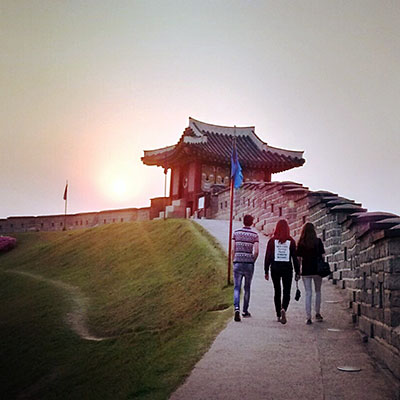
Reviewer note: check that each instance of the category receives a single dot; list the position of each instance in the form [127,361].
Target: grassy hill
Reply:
[151,289]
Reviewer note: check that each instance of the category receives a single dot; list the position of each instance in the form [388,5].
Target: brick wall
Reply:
[363,249]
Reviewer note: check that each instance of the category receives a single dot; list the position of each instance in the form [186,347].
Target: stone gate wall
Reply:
[363,249]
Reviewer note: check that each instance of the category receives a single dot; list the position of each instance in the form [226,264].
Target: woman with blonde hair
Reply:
[281,257]
[311,249]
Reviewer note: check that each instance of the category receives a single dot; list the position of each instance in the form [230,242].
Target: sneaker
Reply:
[246,314]
[309,322]
[318,317]
[283,316]
[279,319]
[237,316]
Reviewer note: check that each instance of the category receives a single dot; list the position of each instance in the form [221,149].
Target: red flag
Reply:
[65,192]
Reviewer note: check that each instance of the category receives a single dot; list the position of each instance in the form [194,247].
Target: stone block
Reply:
[396,338]
[386,355]
[393,298]
[378,329]
[392,316]
[394,246]
[351,283]
[392,282]
[364,325]
[393,265]
[387,333]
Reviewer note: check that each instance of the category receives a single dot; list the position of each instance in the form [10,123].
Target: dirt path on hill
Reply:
[76,318]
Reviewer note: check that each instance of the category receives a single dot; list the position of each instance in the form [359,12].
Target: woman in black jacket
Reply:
[281,256]
[311,249]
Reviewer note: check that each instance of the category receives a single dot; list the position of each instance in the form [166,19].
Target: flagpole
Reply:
[65,209]
[231,208]
[165,192]
[230,234]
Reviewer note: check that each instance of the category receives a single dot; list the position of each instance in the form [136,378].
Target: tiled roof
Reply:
[213,143]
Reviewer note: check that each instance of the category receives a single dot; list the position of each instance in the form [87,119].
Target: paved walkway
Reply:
[260,358]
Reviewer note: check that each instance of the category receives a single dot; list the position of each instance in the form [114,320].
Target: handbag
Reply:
[323,269]
[298,293]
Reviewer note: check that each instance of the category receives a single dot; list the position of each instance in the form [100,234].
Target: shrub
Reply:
[7,243]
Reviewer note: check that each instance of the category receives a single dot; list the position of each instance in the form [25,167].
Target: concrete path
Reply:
[260,358]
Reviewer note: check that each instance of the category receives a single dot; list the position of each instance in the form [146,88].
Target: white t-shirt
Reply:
[282,251]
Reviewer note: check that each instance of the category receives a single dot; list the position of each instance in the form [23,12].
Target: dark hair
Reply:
[308,236]
[248,220]
[282,231]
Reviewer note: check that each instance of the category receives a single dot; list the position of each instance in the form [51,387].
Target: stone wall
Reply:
[363,249]
[72,221]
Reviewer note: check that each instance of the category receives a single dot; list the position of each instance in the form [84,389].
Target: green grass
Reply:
[151,286]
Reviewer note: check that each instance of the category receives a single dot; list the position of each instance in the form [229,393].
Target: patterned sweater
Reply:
[244,239]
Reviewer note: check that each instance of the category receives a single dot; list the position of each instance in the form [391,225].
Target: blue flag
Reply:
[236,169]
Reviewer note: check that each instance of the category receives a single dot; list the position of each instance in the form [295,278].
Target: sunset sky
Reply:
[86,86]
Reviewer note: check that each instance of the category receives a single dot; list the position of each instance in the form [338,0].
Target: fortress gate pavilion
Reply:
[200,161]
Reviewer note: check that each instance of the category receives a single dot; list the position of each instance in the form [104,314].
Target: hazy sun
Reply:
[119,183]
[119,188]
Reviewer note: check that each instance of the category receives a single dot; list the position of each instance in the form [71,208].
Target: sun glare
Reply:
[119,188]
[120,184]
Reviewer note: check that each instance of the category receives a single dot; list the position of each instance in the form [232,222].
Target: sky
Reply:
[86,86]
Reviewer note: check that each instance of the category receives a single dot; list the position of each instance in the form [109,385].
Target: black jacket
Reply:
[282,265]
[310,256]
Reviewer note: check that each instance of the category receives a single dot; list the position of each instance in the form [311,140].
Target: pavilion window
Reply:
[254,203]
[76,222]
[226,204]
[324,235]
[272,207]
[22,225]
[265,204]
[87,222]
[52,224]
[105,221]
[280,211]
[248,202]
[61,224]
[222,205]
[304,219]
[122,220]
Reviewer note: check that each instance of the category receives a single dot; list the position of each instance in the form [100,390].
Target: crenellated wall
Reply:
[363,249]
[72,221]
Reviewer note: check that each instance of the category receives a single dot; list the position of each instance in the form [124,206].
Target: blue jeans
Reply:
[240,271]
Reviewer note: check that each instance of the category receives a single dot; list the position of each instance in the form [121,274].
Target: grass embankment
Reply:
[150,286]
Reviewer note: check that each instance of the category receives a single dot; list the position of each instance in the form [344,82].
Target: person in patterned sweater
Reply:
[245,247]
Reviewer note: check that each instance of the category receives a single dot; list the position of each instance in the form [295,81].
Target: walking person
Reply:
[281,256]
[245,247]
[310,248]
